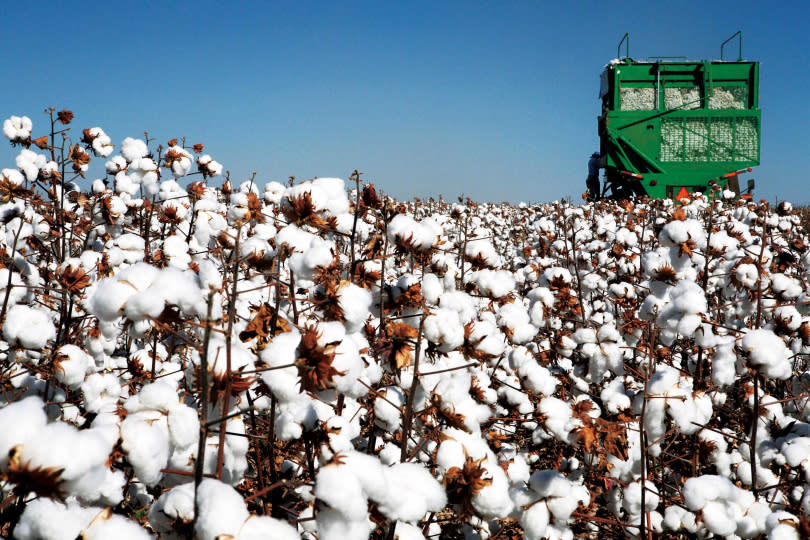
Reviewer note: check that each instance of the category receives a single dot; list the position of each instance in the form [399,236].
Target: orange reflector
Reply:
[746,196]
[682,194]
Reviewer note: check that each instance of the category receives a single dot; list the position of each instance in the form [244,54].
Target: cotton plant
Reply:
[366,366]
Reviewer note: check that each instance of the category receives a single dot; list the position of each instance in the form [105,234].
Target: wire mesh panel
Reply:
[685,98]
[728,97]
[637,99]
[709,139]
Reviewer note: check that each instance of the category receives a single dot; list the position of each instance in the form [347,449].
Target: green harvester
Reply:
[670,126]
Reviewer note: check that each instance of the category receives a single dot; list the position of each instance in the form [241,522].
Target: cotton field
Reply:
[185,355]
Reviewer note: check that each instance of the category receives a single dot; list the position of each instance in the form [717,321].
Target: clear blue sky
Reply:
[492,100]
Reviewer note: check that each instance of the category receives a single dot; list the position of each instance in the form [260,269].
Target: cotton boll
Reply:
[412,492]
[493,499]
[18,421]
[100,392]
[273,192]
[222,510]
[46,519]
[355,303]
[264,527]
[173,506]
[18,290]
[535,520]
[28,327]
[333,525]
[282,352]
[387,408]
[443,328]
[341,491]
[17,129]
[109,525]
[132,149]
[71,365]
[768,353]
[145,439]
[782,526]
[30,163]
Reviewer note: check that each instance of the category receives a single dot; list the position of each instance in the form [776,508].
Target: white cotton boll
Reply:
[175,505]
[281,351]
[209,167]
[341,490]
[145,305]
[46,519]
[100,392]
[408,233]
[537,378]
[145,439]
[487,338]
[101,144]
[18,421]
[17,128]
[493,283]
[333,525]
[405,531]
[768,353]
[30,163]
[158,396]
[719,518]
[274,192]
[615,397]
[222,510]
[483,250]
[746,275]
[782,525]
[493,500]
[336,203]
[114,526]
[557,420]
[432,288]
[451,453]
[387,408]
[460,302]
[18,290]
[183,426]
[265,527]
[179,161]
[785,286]
[115,165]
[12,176]
[132,149]
[535,520]
[71,365]
[28,327]
[443,328]
[412,492]
[355,302]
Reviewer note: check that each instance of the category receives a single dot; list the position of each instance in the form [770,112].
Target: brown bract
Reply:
[44,481]
[314,362]
[9,190]
[301,211]
[262,327]
[79,158]
[64,116]
[74,280]
[41,142]
[399,337]
[461,484]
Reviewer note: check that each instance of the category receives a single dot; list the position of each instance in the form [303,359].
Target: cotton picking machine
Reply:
[671,126]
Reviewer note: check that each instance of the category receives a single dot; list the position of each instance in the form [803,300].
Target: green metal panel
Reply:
[679,123]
